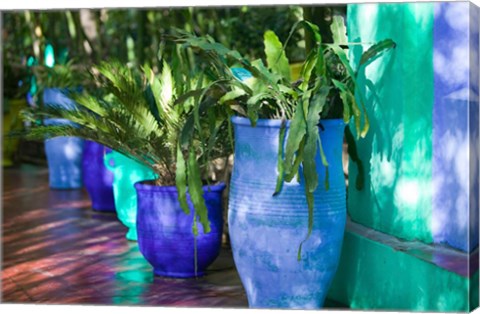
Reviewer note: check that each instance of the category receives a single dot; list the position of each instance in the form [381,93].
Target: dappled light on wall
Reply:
[454,45]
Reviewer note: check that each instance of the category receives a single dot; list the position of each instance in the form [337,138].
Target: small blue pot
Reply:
[165,235]
[266,230]
[64,154]
[64,157]
[98,180]
[58,97]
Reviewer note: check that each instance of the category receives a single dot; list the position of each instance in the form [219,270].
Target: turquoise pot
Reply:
[126,172]
[266,230]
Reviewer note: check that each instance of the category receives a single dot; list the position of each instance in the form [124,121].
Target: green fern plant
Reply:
[268,92]
[142,116]
[64,76]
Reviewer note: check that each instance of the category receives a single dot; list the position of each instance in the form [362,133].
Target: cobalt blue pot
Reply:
[64,153]
[266,230]
[97,179]
[165,235]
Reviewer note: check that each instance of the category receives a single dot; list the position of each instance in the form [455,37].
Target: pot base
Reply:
[103,209]
[162,273]
[65,188]
[132,235]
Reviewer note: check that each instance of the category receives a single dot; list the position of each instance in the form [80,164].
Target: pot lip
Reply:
[119,157]
[142,186]
[62,90]
[277,122]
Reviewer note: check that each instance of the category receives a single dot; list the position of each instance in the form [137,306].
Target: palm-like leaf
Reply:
[270,94]
[142,117]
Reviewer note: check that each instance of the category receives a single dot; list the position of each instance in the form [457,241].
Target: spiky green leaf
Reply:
[232,95]
[276,59]
[376,50]
[195,189]
[307,69]
[339,31]
[298,129]
[297,161]
[280,164]
[181,180]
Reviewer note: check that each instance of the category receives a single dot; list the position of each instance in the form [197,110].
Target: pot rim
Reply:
[276,123]
[142,186]
[122,159]
[63,90]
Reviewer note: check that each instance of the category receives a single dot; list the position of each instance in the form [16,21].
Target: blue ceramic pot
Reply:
[126,172]
[165,235]
[266,230]
[64,158]
[58,97]
[64,153]
[97,179]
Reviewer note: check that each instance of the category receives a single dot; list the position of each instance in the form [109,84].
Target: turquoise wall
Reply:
[421,154]
[397,151]
[421,159]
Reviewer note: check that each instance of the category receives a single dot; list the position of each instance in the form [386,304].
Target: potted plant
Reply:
[287,205]
[64,154]
[179,218]
[73,162]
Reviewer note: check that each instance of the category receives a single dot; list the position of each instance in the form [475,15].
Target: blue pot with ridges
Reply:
[266,230]
[165,235]
[98,180]
[64,153]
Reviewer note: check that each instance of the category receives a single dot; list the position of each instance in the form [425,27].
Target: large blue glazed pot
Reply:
[266,230]
[97,179]
[165,235]
[126,172]
[64,153]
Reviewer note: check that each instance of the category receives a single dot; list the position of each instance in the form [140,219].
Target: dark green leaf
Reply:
[297,162]
[307,68]
[310,152]
[232,95]
[181,180]
[298,129]
[324,163]
[280,164]
[375,50]
[195,189]
[309,197]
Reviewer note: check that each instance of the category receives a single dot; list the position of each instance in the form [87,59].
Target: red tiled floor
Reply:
[57,250]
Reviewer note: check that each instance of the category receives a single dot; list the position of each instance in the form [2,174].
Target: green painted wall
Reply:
[399,155]
[474,293]
[397,151]
[374,276]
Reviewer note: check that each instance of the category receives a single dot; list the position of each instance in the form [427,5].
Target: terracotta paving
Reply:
[57,250]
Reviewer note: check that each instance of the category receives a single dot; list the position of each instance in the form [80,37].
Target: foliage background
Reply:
[137,36]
